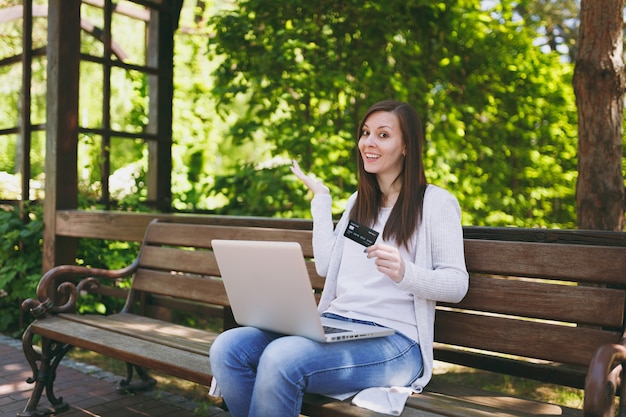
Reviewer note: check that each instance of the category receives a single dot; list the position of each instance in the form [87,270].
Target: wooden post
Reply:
[160,50]
[25,119]
[63,54]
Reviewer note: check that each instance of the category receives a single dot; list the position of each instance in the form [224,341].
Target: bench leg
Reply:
[146,383]
[49,358]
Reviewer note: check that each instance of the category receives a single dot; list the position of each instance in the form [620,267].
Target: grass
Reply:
[519,387]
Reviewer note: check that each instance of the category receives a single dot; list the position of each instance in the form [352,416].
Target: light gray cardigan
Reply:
[437,273]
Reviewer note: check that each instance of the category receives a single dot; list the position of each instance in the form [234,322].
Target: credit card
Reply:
[362,235]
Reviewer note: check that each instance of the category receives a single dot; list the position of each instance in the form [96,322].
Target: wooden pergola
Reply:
[63,222]
[64,26]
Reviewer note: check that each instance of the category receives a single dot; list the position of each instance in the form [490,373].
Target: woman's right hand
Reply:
[313,184]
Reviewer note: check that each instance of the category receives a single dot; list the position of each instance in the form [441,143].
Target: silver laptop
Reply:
[268,287]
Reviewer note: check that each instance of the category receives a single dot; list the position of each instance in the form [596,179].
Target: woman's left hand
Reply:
[388,260]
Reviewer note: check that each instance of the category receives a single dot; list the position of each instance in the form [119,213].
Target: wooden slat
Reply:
[152,330]
[198,262]
[323,406]
[496,405]
[593,264]
[593,306]
[541,235]
[531,339]
[189,366]
[194,235]
[201,262]
[317,282]
[188,287]
[442,397]
[115,225]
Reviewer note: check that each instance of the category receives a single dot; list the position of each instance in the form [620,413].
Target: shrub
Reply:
[20,263]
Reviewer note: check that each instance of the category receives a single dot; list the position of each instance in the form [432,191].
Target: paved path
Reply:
[89,391]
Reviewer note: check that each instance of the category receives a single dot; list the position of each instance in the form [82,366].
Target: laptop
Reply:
[268,287]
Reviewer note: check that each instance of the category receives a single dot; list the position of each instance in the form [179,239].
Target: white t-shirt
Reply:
[364,293]
[436,273]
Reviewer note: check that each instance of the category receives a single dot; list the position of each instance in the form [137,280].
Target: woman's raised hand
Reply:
[313,184]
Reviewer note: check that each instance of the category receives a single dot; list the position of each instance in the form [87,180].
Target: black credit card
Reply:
[362,235]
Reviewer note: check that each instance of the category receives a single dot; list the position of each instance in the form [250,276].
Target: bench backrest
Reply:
[551,303]
[546,302]
[176,260]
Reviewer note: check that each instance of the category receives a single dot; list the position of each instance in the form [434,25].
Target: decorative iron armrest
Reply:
[44,305]
[604,378]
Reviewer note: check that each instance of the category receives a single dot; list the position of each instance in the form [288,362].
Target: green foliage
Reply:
[105,254]
[500,113]
[20,263]
[259,81]
[504,126]
[268,191]
[10,87]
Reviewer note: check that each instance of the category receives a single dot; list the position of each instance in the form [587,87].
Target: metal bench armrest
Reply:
[64,277]
[603,380]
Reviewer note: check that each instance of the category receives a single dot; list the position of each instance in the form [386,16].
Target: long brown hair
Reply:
[406,214]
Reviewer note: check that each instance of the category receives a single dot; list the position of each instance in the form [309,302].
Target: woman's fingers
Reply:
[312,184]
[387,260]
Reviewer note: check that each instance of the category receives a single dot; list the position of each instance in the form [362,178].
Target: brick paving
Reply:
[89,391]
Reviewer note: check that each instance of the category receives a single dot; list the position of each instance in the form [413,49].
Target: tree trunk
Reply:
[599,88]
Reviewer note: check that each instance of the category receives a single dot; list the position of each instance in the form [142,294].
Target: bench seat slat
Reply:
[586,263]
[189,366]
[466,397]
[322,406]
[569,303]
[490,405]
[445,400]
[546,341]
[152,330]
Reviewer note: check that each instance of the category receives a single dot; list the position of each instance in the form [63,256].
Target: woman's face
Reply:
[382,147]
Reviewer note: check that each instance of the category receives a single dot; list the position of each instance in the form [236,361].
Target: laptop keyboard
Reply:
[329,329]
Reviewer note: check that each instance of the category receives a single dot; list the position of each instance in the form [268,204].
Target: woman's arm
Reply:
[448,279]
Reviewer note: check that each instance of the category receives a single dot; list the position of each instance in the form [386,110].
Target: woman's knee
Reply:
[222,343]
[287,356]
[234,343]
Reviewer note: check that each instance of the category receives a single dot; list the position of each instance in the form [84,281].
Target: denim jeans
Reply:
[262,373]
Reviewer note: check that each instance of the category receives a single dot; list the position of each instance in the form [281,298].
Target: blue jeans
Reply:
[262,373]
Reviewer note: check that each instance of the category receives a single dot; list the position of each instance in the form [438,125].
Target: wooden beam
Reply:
[61,188]
[25,138]
[125,226]
[123,9]
[160,52]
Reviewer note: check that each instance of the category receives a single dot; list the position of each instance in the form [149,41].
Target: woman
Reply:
[416,261]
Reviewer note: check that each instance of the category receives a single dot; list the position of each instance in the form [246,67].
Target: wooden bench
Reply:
[540,305]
